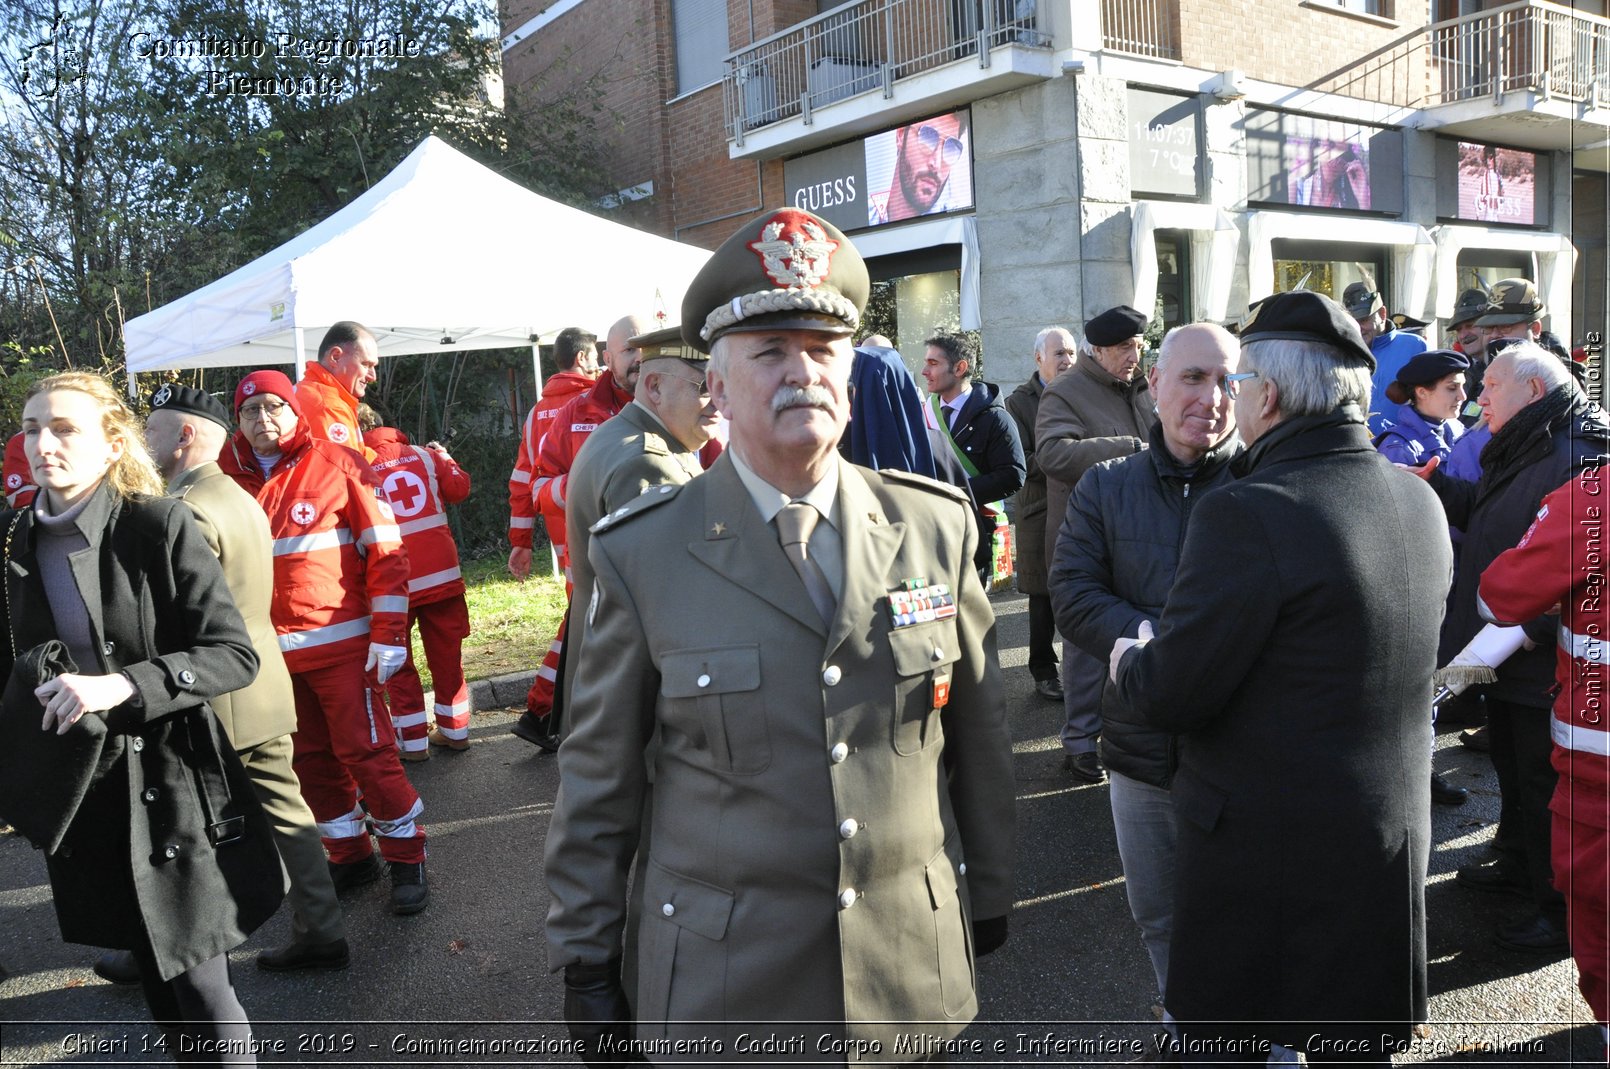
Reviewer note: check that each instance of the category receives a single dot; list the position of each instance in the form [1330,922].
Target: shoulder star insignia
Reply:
[719,529]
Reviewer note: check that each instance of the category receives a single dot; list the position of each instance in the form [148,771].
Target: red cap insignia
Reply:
[795,252]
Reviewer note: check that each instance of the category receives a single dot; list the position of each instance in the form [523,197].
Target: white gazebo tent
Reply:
[441,253]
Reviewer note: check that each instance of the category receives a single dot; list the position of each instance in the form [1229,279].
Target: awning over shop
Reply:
[1214,241]
[1556,260]
[1411,244]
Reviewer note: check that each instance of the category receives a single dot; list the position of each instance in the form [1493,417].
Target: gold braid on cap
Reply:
[765,302]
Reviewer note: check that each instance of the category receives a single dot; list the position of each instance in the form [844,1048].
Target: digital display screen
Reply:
[923,168]
[1310,162]
[1497,185]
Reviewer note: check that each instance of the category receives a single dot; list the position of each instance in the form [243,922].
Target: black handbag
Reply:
[43,776]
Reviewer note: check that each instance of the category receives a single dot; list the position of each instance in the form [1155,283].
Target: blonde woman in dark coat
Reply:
[168,855]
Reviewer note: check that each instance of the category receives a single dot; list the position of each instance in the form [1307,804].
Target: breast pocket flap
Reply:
[722,670]
[699,907]
[924,647]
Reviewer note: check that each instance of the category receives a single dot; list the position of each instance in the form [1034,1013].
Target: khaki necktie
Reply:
[794,526]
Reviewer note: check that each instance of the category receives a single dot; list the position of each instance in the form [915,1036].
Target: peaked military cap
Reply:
[1115,326]
[1513,300]
[1303,315]
[1361,301]
[663,344]
[174,397]
[1472,303]
[788,270]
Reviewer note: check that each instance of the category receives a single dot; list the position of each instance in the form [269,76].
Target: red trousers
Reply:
[443,627]
[344,752]
[1581,856]
[539,699]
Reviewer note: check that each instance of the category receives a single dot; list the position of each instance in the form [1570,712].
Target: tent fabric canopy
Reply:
[442,253]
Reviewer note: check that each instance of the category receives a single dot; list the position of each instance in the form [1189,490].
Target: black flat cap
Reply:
[172,397]
[1115,326]
[1306,316]
[1431,366]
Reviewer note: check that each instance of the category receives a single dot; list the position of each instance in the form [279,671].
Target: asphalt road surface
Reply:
[1072,987]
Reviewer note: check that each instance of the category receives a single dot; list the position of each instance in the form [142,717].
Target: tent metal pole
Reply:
[536,366]
[301,353]
[134,386]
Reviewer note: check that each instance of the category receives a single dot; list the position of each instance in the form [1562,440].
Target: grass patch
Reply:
[511,623]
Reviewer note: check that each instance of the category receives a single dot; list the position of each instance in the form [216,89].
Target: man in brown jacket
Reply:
[1098,411]
[1054,352]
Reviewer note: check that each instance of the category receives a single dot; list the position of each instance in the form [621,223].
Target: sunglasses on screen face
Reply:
[930,139]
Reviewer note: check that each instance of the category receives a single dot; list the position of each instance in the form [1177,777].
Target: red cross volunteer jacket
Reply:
[556,393]
[340,570]
[329,411]
[419,483]
[579,417]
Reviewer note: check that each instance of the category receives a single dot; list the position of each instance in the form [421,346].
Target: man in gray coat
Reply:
[1054,352]
[1100,410]
[801,649]
[186,429]
[1294,658]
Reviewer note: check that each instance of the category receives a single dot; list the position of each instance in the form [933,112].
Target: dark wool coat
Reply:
[1023,405]
[1116,557]
[1494,513]
[138,854]
[1295,656]
[986,434]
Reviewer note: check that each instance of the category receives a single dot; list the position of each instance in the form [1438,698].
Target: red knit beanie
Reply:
[273,382]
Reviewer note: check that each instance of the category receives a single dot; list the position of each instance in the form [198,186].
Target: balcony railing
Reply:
[866,47]
[1148,28]
[1532,45]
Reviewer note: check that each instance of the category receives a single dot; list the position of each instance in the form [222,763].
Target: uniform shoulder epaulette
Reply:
[654,445]
[922,482]
[650,497]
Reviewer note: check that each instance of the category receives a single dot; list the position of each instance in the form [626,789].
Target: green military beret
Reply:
[787,269]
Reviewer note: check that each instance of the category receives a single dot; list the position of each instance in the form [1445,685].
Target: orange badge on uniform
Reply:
[941,691]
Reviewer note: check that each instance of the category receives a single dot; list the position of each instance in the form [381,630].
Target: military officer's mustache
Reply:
[788,397]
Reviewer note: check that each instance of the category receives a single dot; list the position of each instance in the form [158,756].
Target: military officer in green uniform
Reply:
[652,442]
[801,649]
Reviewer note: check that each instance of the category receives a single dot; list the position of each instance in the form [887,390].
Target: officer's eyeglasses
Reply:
[931,139]
[700,384]
[1231,384]
[266,410]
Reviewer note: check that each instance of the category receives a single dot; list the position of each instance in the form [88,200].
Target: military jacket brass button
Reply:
[847,898]
[839,752]
[832,675]
[703,681]
[849,828]
[668,909]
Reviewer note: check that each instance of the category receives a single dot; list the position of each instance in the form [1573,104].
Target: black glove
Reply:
[596,1007]
[989,935]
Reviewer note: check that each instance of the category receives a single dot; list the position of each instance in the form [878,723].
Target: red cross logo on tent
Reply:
[303,513]
[406,492]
